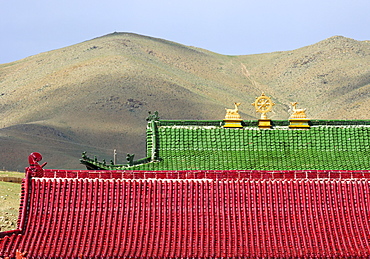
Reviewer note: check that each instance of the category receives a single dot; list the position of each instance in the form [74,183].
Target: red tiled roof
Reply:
[225,214]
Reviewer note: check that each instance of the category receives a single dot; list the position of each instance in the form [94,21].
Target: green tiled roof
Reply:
[327,145]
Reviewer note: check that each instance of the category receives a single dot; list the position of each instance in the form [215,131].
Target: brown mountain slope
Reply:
[95,96]
[330,78]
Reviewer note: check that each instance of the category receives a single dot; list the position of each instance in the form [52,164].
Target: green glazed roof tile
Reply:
[209,147]
[204,145]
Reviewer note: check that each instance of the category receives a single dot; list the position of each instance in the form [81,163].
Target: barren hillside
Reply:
[94,96]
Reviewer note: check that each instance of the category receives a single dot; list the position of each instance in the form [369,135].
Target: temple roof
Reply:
[174,215]
[206,145]
[207,191]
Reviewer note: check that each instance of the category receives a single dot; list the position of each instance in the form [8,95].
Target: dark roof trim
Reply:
[254,123]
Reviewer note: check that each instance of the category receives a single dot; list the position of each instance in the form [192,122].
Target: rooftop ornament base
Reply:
[264,123]
[299,123]
[230,123]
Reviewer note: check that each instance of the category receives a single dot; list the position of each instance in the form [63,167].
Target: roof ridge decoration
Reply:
[232,117]
[153,117]
[263,104]
[298,119]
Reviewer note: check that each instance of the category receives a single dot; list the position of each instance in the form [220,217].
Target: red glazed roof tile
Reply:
[229,217]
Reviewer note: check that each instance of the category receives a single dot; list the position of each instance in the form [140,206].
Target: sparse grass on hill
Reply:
[9,199]
[9,205]
[94,96]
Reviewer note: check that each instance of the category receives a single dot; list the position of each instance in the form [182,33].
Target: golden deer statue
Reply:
[297,113]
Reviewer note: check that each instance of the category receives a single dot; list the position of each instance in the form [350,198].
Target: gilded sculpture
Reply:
[263,104]
[298,118]
[232,117]
[297,113]
[233,113]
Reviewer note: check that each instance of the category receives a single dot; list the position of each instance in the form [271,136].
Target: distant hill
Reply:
[94,96]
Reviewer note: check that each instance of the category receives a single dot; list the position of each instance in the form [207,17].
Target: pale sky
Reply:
[232,27]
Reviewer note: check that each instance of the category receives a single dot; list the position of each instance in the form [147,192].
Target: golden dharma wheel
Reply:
[263,104]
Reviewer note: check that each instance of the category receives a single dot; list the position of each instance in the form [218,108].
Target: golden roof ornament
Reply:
[232,118]
[263,104]
[298,118]
[233,113]
[297,113]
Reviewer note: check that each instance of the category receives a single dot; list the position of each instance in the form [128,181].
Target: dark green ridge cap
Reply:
[254,123]
[339,122]
[190,122]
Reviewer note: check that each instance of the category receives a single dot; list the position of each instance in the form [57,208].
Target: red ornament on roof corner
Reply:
[34,167]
